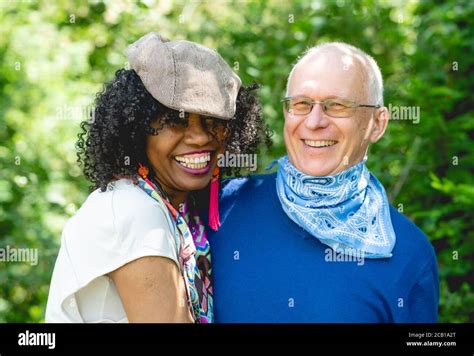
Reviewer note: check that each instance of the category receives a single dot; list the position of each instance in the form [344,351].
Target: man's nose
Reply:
[316,118]
[195,133]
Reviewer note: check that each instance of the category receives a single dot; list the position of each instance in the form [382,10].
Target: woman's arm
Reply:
[152,290]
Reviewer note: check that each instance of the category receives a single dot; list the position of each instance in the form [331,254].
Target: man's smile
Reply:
[319,143]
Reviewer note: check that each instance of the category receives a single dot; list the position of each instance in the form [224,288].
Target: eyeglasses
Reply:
[332,107]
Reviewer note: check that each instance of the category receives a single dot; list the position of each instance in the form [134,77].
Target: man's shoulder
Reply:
[250,184]
[409,236]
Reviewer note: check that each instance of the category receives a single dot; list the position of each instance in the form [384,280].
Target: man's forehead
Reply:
[335,72]
[336,52]
[334,60]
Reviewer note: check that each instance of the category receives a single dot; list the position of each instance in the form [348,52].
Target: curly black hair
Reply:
[113,141]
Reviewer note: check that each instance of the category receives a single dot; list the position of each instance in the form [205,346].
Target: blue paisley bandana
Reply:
[348,211]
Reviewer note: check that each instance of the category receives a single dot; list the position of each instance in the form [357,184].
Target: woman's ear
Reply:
[380,117]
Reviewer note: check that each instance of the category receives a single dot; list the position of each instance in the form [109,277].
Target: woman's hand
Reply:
[152,290]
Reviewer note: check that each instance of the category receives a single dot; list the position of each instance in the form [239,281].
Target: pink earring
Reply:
[214,221]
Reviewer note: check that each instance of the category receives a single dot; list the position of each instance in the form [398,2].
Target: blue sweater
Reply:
[268,269]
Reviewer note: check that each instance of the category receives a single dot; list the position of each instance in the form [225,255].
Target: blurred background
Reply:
[54,57]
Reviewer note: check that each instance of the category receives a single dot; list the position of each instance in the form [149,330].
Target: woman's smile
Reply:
[196,163]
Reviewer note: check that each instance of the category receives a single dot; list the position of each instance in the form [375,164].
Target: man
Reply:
[318,241]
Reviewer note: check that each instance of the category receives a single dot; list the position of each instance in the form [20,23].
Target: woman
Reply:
[136,251]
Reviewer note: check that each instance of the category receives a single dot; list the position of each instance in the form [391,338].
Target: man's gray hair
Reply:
[375,81]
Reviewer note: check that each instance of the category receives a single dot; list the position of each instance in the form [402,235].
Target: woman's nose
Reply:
[196,133]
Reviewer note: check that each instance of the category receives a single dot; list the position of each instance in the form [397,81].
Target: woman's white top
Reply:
[110,229]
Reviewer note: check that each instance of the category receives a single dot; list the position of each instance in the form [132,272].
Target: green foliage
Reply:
[55,55]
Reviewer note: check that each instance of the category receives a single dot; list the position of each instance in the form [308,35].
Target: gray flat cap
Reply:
[184,75]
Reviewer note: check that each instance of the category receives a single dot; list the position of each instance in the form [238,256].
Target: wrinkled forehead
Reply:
[329,72]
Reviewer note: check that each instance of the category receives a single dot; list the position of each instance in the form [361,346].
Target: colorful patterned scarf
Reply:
[348,211]
[194,254]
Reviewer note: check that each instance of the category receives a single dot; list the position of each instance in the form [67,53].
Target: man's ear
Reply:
[380,117]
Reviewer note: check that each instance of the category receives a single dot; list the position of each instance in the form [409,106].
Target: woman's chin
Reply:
[189,183]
